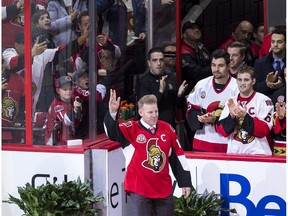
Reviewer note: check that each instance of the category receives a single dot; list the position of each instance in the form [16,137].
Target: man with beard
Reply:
[269,69]
[163,85]
[205,104]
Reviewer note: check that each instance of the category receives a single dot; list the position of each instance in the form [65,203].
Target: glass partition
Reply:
[79,50]
[56,87]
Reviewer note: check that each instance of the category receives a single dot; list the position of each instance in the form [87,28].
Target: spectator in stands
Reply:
[12,12]
[81,59]
[236,51]
[149,146]
[117,15]
[257,40]
[279,120]
[163,85]
[206,102]
[11,9]
[12,21]
[63,22]
[81,91]
[44,66]
[14,57]
[12,103]
[169,49]
[243,33]
[40,64]
[279,129]
[41,28]
[109,72]
[102,5]
[247,118]
[269,69]
[266,45]
[196,59]
[64,114]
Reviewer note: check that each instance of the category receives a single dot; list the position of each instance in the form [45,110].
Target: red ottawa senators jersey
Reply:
[11,99]
[147,157]
[60,126]
[10,27]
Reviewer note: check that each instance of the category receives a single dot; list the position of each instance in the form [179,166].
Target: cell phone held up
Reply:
[41,39]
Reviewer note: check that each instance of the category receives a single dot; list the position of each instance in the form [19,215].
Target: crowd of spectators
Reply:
[60,61]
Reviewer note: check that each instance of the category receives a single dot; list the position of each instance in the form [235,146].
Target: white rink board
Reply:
[18,168]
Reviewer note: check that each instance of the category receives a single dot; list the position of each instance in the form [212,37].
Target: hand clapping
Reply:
[281,109]
[236,110]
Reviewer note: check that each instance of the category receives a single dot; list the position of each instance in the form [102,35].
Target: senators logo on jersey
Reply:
[10,109]
[156,157]
[242,135]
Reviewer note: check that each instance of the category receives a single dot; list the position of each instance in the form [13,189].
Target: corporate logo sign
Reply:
[252,208]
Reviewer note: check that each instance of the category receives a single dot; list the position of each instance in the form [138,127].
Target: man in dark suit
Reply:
[269,69]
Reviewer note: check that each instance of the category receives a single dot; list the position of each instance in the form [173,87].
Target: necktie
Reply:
[278,66]
[152,130]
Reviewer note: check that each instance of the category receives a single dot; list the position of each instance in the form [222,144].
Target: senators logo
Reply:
[9,109]
[243,136]
[156,158]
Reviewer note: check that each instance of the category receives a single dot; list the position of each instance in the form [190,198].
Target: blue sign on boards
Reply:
[241,198]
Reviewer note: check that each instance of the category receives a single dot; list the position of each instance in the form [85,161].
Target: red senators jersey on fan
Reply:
[10,27]
[11,98]
[60,124]
[148,156]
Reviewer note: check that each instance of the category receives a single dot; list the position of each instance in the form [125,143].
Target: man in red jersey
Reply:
[149,146]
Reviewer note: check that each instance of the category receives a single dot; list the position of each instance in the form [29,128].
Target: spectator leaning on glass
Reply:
[247,118]
[64,114]
[149,146]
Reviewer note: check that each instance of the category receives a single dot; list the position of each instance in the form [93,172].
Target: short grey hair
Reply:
[147,99]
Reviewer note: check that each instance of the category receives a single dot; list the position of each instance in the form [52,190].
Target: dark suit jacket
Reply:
[262,68]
